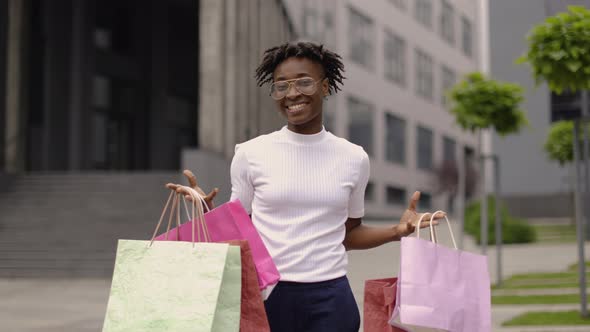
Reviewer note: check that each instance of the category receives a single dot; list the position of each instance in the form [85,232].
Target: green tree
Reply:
[560,142]
[559,52]
[478,102]
[482,103]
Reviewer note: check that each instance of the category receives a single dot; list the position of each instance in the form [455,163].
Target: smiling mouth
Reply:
[294,109]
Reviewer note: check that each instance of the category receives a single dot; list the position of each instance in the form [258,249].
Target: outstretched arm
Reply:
[359,236]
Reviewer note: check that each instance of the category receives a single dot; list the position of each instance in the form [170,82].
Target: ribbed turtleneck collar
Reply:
[302,138]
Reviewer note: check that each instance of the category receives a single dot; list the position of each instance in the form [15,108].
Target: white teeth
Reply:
[297,107]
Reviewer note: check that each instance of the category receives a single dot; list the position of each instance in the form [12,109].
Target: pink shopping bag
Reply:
[441,288]
[230,221]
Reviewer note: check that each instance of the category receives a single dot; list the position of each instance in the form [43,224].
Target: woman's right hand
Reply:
[196,190]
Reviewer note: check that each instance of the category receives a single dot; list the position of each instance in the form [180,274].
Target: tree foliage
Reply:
[560,142]
[559,51]
[481,103]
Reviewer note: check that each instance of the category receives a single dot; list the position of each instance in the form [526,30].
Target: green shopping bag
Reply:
[174,286]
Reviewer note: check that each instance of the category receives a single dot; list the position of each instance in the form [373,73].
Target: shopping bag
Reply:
[173,286]
[253,314]
[230,221]
[440,288]
[378,305]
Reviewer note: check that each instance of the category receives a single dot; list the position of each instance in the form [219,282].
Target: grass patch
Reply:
[556,229]
[555,233]
[545,280]
[506,285]
[574,267]
[545,275]
[541,318]
[536,299]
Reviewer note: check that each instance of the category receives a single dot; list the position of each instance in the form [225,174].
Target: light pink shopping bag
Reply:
[226,222]
[441,288]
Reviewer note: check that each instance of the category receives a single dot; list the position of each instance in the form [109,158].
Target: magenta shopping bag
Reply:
[230,221]
[441,288]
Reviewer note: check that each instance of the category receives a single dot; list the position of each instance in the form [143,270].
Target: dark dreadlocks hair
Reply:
[330,61]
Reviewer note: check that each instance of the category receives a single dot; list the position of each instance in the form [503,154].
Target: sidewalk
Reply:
[52,305]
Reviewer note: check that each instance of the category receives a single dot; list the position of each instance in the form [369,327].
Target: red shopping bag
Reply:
[378,305]
[252,313]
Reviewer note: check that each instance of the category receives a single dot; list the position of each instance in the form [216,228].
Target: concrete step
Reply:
[56,224]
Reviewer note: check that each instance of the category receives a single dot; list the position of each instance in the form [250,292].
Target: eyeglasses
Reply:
[305,85]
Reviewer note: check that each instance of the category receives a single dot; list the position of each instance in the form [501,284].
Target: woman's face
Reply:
[303,111]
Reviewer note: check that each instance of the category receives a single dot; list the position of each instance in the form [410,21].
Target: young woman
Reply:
[304,188]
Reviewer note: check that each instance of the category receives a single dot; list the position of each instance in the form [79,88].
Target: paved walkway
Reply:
[51,305]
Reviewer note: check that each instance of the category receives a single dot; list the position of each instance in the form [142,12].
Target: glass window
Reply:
[424,148]
[102,38]
[361,32]
[467,36]
[395,195]
[425,202]
[328,118]
[449,79]
[449,147]
[451,204]
[101,92]
[447,22]
[395,58]
[370,192]
[360,126]
[395,145]
[423,12]
[424,75]
[311,27]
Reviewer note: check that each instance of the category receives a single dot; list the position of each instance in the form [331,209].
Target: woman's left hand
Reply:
[407,223]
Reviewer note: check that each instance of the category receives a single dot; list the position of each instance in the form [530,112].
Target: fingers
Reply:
[425,224]
[414,201]
[171,186]
[192,179]
[440,215]
[212,194]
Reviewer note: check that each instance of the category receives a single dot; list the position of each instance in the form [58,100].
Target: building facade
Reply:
[400,57]
[163,85]
[127,85]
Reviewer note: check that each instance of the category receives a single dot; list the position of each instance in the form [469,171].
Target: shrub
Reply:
[514,230]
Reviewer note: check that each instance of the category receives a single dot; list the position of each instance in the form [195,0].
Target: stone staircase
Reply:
[67,225]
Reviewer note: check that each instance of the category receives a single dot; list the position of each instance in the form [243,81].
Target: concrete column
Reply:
[81,78]
[243,77]
[3,49]
[16,108]
[160,146]
[211,75]
[253,60]
[231,105]
[57,68]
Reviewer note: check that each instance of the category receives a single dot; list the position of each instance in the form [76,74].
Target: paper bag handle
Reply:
[174,205]
[200,217]
[418,226]
[448,224]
